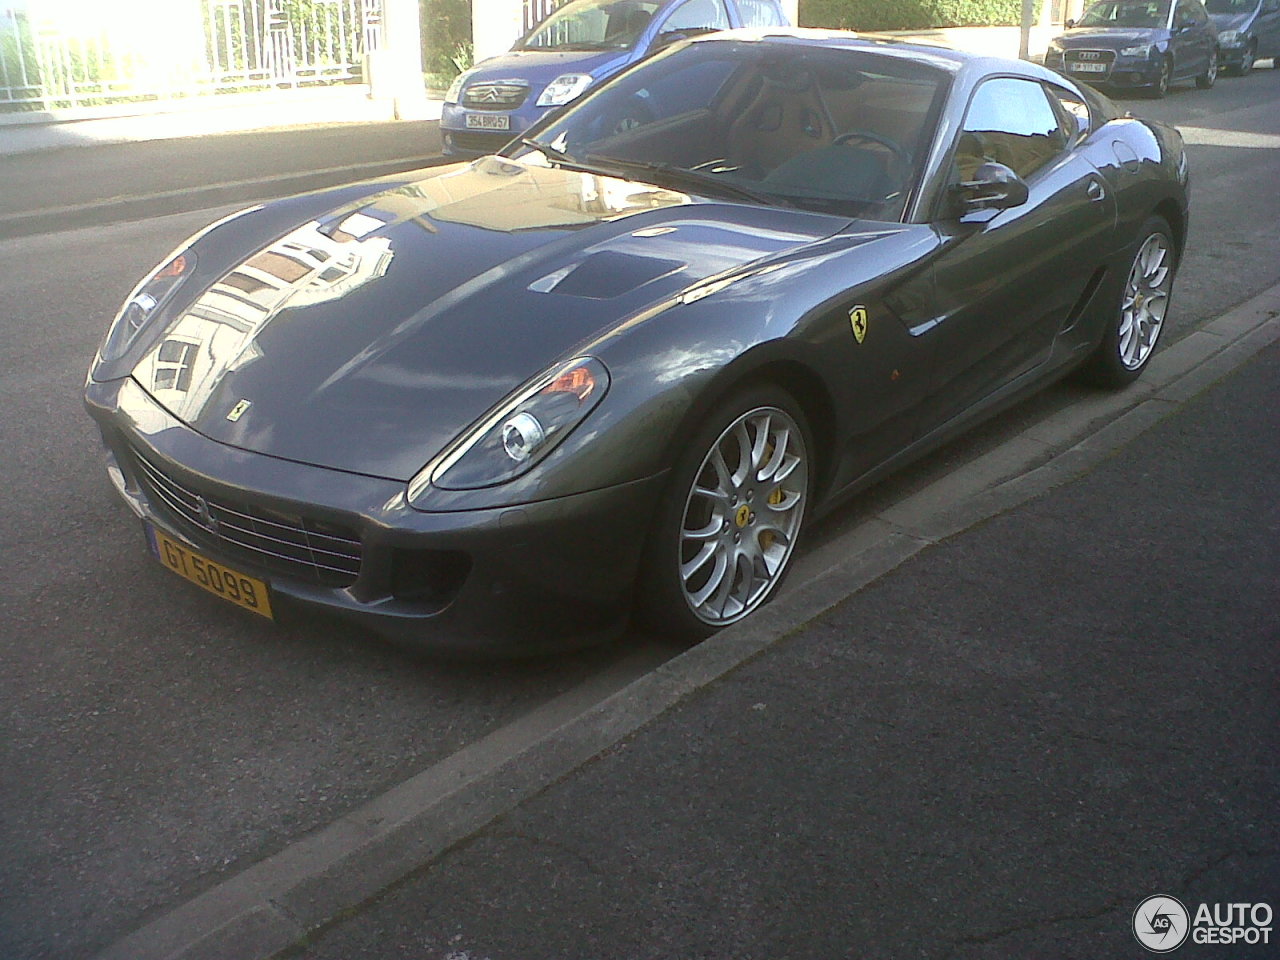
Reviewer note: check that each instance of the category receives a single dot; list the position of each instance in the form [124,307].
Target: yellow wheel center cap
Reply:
[743,516]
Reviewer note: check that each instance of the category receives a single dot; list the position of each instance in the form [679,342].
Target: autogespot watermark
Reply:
[1162,924]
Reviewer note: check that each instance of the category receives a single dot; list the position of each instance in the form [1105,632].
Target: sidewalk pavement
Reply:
[996,750]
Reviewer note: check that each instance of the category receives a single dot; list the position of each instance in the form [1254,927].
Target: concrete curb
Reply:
[119,209]
[281,901]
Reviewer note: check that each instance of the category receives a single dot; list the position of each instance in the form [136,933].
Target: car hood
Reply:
[1230,21]
[367,339]
[540,67]
[1109,38]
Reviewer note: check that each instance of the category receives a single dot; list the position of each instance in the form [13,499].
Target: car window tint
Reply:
[697,16]
[1009,121]
[1127,13]
[1075,110]
[760,13]
[592,25]
[828,130]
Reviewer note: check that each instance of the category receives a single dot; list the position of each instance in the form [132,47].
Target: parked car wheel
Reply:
[1131,337]
[1210,76]
[1161,86]
[728,528]
[1245,66]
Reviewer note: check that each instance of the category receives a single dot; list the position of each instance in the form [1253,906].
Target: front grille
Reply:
[480,142]
[495,96]
[288,544]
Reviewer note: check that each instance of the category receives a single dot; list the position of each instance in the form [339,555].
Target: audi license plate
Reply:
[1089,68]
[241,589]
[488,121]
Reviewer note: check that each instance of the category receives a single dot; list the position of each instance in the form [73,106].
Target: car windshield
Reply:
[1230,6]
[592,25]
[1125,13]
[831,130]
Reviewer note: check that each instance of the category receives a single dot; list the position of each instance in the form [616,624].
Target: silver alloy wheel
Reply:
[1146,299]
[742,516]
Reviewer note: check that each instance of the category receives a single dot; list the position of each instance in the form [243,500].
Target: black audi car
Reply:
[1138,45]
[625,363]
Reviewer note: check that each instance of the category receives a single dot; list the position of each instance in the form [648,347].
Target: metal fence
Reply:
[536,11]
[54,54]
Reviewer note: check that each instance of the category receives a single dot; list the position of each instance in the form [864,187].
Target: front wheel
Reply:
[1210,76]
[726,532]
[1161,86]
[1131,335]
[1245,66]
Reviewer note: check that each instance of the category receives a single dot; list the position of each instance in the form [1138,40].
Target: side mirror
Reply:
[1070,24]
[993,187]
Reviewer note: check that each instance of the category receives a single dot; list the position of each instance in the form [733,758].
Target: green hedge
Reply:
[909,14]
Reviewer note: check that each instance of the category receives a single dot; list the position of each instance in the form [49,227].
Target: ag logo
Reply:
[858,320]
[1161,924]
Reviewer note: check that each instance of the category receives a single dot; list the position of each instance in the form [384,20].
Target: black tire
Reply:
[669,582]
[1118,360]
[1161,86]
[1245,66]
[1210,76]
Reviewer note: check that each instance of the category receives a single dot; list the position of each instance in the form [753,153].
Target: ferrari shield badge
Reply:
[238,410]
[858,320]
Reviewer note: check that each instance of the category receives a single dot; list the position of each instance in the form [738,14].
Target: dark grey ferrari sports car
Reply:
[620,366]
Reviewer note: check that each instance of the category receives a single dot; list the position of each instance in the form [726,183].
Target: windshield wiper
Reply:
[689,178]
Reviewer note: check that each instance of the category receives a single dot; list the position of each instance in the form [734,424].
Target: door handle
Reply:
[1095,191]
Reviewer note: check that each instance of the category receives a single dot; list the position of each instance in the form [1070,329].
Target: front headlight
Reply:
[1055,49]
[1141,50]
[513,439]
[1229,38]
[455,89]
[146,299]
[563,89]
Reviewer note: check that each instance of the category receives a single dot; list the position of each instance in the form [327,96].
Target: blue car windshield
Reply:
[1126,13]
[1230,6]
[838,131]
[592,25]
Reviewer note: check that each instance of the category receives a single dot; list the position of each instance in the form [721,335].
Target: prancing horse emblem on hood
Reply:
[858,320]
[238,410]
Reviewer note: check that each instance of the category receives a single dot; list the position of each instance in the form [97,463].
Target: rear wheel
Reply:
[1131,335]
[726,532]
[1210,76]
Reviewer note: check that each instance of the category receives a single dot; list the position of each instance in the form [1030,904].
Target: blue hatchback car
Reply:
[581,43]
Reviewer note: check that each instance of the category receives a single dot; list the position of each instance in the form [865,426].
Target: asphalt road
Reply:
[155,742]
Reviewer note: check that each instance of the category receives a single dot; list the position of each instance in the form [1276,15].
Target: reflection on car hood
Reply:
[1108,39]
[367,339]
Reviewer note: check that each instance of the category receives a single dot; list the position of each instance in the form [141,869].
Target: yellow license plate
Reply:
[220,580]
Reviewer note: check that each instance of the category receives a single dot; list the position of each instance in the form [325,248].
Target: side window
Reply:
[1074,109]
[761,13]
[697,16]
[1010,121]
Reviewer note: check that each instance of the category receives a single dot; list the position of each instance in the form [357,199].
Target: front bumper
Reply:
[459,140]
[505,581]
[1121,74]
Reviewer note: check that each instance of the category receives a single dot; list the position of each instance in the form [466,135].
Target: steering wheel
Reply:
[899,154]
